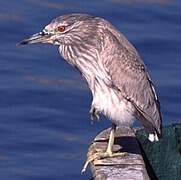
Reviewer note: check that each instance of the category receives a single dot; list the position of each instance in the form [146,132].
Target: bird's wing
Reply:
[128,74]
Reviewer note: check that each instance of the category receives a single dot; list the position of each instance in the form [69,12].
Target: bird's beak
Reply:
[41,37]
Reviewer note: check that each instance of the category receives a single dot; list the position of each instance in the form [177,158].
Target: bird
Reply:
[121,87]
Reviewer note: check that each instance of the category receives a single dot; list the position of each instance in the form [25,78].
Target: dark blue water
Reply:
[45,127]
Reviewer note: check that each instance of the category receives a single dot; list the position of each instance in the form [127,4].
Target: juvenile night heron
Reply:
[116,75]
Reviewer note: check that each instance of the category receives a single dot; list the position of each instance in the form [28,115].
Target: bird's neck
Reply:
[86,59]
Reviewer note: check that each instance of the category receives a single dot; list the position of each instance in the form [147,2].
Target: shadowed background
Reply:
[45,127]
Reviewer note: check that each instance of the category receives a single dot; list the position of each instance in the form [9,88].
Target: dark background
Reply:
[45,127]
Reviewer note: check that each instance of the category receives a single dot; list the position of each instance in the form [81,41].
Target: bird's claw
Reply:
[101,155]
[94,114]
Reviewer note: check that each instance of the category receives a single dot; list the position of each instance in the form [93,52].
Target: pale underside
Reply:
[120,111]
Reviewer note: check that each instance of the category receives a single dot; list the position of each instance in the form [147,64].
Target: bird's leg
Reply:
[94,114]
[100,154]
[111,140]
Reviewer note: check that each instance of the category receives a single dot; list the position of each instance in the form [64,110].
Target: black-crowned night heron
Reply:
[119,81]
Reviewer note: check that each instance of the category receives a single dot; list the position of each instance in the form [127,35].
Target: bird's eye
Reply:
[61,28]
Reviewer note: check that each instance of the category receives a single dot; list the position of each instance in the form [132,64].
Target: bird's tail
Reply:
[151,120]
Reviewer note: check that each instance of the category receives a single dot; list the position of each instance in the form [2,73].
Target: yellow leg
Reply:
[108,153]
[111,140]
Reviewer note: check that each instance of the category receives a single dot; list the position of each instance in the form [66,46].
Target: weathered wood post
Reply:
[130,167]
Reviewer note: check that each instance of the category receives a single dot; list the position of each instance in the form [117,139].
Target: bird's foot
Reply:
[94,114]
[100,154]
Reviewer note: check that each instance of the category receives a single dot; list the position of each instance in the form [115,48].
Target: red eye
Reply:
[61,28]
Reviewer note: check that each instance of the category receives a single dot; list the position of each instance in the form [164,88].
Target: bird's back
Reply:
[130,77]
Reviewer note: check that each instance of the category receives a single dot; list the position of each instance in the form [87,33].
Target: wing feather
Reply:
[129,75]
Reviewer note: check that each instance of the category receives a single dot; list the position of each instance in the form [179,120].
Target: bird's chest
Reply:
[104,97]
[112,105]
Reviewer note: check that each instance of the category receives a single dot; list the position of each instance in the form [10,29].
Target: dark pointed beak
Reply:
[41,37]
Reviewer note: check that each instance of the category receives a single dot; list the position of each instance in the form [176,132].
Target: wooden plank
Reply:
[130,167]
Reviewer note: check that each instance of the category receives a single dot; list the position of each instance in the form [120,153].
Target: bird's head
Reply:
[66,29]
